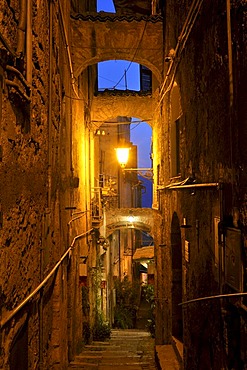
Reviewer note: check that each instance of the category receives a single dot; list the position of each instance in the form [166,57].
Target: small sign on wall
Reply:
[216,241]
[187,251]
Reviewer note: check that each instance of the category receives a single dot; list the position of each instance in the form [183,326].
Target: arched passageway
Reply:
[118,218]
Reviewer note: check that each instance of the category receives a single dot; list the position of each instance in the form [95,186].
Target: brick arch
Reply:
[99,38]
[107,106]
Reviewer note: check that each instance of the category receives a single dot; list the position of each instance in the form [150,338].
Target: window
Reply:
[145,79]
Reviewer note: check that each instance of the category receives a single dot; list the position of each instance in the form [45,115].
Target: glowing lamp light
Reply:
[122,156]
[131,219]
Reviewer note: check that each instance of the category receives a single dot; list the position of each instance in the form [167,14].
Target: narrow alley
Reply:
[123,172]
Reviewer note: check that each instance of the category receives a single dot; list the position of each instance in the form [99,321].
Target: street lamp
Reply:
[123,156]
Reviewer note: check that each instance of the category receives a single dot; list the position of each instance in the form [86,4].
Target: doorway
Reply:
[176,248]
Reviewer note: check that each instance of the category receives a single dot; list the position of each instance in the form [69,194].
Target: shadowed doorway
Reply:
[176,248]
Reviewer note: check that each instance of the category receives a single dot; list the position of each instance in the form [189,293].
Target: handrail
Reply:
[188,186]
[213,297]
[17,309]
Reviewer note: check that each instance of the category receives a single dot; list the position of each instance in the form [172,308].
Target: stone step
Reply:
[93,347]
[88,359]
[81,365]
[120,354]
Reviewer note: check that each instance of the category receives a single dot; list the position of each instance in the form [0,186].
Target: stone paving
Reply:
[126,350]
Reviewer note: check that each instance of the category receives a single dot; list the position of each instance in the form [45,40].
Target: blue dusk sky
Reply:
[123,75]
[111,74]
[105,5]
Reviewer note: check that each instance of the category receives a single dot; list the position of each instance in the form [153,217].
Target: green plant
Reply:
[101,328]
[85,300]
[123,318]
[127,297]
[148,291]
[86,332]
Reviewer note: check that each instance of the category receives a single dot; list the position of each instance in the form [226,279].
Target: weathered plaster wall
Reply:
[33,196]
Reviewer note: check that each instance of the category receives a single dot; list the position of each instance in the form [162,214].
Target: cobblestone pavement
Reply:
[126,350]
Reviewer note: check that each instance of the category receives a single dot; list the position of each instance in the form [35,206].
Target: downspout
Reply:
[68,51]
[229,43]
[221,241]
[50,104]
[41,301]
[48,210]
[29,43]
[230,74]
[21,28]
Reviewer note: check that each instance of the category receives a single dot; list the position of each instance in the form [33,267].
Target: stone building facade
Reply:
[45,213]
[202,182]
[49,213]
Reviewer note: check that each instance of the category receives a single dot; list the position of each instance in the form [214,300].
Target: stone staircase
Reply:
[126,350]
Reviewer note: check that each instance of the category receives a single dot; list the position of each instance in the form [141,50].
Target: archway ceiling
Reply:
[125,225]
[96,38]
[106,107]
[118,219]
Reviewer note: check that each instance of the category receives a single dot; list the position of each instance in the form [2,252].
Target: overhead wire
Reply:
[107,79]
[136,49]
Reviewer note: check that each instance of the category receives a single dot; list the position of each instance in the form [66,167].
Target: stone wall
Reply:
[36,182]
[209,136]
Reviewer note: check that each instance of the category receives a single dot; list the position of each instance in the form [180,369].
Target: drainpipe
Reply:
[50,104]
[41,300]
[230,74]
[68,50]
[221,241]
[48,210]
[29,43]
[21,28]
[229,43]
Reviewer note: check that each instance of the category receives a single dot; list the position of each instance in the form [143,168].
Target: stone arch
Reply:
[176,253]
[106,107]
[136,226]
[97,39]
[118,219]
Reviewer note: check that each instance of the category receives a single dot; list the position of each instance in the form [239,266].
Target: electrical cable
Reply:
[137,48]
[107,79]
